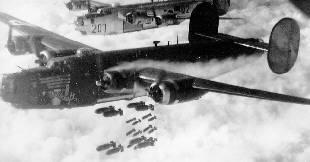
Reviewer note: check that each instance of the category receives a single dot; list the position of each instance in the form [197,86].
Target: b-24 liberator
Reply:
[104,19]
[77,75]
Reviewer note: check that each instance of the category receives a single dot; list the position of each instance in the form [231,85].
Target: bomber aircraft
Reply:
[77,75]
[115,19]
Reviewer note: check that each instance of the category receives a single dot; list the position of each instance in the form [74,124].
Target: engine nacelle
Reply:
[85,52]
[46,55]
[19,45]
[222,6]
[169,92]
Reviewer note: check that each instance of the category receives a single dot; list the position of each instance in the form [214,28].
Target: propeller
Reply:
[154,91]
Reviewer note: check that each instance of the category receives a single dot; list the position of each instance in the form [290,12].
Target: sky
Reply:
[215,128]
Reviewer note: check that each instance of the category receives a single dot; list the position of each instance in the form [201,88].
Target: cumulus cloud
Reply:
[214,128]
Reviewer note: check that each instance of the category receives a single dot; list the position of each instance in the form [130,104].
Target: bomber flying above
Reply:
[104,19]
[77,75]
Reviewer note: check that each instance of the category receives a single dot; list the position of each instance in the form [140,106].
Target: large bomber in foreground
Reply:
[75,75]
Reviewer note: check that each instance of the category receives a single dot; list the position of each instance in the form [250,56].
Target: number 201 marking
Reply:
[97,28]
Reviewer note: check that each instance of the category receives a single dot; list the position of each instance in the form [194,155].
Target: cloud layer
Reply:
[214,128]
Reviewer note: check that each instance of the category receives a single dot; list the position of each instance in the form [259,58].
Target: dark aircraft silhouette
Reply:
[77,75]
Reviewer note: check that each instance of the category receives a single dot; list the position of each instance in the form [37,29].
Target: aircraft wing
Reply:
[192,84]
[99,4]
[223,88]
[151,5]
[49,39]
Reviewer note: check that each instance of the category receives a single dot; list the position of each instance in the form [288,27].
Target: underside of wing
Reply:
[168,88]
[49,39]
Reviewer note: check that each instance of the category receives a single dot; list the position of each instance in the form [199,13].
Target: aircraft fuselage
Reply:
[71,81]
